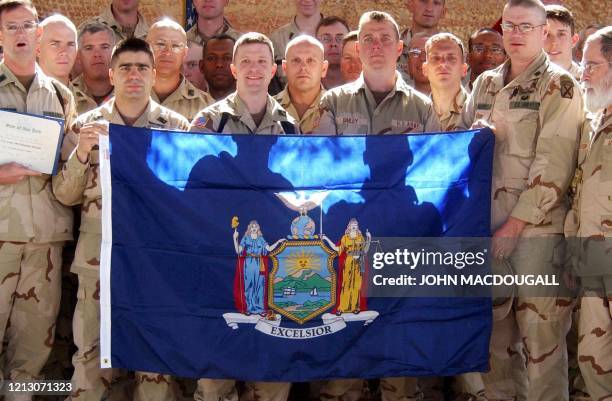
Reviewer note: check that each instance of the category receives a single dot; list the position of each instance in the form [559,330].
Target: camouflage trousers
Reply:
[469,385]
[341,390]
[30,291]
[577,389]
[225,390]
[89,381]
[399,389]
[528,350]
[154,387]
[595,337]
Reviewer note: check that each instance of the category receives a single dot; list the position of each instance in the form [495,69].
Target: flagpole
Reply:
[321,220]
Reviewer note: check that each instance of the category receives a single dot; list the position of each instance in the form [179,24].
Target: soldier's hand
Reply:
[483,124]
[11,173]
[89,137]
[506,237]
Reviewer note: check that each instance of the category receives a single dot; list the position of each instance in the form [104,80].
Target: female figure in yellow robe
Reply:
[352,250]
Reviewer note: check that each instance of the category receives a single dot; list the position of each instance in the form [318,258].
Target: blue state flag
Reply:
[244,256]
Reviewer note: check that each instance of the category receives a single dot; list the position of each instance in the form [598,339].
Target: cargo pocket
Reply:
[521,142]
[605,176]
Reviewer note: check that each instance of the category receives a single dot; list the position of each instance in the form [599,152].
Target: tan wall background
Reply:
[463,17]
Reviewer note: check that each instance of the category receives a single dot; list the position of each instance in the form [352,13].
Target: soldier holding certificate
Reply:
[33,224]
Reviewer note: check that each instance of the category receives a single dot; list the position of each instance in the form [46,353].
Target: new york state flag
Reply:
[246,257]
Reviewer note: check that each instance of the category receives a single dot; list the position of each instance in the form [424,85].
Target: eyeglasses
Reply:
[161,46]
[524,27]
[495,50]
[328,39]
[416,52]
[28,27]
[590,66]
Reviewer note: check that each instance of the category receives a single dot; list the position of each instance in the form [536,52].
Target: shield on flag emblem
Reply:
[302,283]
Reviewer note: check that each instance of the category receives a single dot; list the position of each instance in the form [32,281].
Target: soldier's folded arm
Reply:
[560,118]
[71,179]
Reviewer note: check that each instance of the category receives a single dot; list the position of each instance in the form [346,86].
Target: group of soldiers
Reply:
[552,169]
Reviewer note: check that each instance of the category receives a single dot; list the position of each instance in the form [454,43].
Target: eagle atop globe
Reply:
[302,227]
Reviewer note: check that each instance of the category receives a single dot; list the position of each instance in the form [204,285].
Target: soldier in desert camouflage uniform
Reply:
[535,110]
[388,105]
[124,19]
[210,22]
[172,89]
[304,67]
[249,110]
[445,67]
[93,87]
[591,219]
[79,183]
[33,224]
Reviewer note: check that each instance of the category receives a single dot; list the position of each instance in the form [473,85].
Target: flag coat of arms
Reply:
[245,256]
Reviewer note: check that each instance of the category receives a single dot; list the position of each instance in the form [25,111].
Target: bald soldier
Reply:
[536,112]
[93,87]
[172,90]
[379,102]
[33,224]
[57,50]
[249,110]
[132,74]
[304,68]
[591,218]
[123,18]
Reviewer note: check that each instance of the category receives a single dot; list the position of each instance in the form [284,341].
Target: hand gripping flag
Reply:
[245,256]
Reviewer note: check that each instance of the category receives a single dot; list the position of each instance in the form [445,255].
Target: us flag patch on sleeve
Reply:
[200,122]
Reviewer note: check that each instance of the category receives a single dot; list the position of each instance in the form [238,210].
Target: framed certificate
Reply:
[30,140]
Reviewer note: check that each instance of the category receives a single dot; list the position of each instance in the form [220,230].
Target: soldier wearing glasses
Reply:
[172,90]
[33,224]
[331,32]
[535,111]
[485,52]
[416,57]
